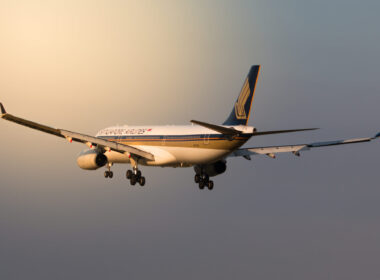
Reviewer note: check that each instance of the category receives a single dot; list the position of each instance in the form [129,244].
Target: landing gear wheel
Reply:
[110,174]
[133,180]
[197,178]
[138,173]
[210,185]
[129,174]
[106,174]
[142,181]
[201,185]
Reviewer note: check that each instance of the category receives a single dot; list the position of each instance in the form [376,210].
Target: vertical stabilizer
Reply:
[242,107]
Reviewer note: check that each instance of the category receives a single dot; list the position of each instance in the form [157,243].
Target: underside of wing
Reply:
[77,137]
[105,144]
[271,151]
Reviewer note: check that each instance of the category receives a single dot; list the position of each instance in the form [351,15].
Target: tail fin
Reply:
[241,111]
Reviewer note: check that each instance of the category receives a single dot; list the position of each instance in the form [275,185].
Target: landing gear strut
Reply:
[108,173]
[203,181]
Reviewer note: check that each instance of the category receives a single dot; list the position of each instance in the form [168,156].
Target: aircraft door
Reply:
[119,137]
[206,139]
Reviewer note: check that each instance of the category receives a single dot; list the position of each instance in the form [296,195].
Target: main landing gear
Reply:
[134,176]
[203,181]
[108,173]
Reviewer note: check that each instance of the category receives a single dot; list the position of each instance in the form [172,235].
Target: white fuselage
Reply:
[176,146]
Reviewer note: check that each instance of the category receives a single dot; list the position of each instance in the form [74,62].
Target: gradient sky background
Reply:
[85,65]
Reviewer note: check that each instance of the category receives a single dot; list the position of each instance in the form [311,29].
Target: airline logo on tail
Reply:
[242,107]
[242,100]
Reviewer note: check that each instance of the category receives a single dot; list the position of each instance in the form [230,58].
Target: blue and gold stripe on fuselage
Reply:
[201,141]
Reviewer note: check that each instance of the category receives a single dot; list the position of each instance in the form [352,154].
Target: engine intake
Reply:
[91,159]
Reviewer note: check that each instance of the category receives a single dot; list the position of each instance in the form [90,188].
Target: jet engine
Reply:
[91,159]
[212,169]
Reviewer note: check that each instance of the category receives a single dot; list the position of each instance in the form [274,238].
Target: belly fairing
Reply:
[175,156]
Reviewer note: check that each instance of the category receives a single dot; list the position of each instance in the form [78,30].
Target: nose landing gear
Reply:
[108,173]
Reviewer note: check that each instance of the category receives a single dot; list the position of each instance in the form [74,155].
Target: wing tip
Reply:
[2,109]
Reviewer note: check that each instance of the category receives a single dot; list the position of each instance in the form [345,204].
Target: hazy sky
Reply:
[85,65]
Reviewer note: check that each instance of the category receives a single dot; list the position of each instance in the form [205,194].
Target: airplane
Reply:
[201,145]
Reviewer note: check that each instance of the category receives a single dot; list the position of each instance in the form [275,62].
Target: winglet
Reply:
[2,109]
[377,135]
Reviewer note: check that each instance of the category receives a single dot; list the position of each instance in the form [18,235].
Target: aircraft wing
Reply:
[295,149]
[77,137]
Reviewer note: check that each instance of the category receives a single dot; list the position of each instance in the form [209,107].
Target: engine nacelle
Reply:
[213,169]
[91,159]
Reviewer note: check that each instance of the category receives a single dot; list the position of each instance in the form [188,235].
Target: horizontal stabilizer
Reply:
[232,131]
[258,133]
[218,128]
